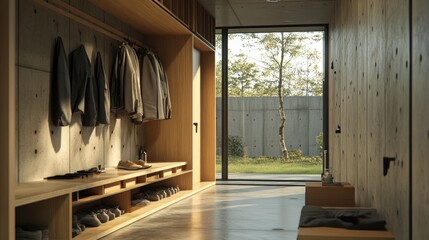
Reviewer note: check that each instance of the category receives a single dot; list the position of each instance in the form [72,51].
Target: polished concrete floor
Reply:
[224,212]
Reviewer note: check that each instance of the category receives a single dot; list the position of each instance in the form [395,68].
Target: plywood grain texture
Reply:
[420,119]
[40,143]
[374,54]
[8,118]
[334,96]
[396,182]
[53,214]
[376,111]
[208,94]
[196,116]
[159,138]
[343,13]
[350,82]
[362,108]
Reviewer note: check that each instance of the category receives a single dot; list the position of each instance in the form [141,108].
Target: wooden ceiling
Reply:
[249,13]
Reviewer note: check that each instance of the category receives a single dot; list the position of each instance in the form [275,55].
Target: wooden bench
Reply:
[329,233]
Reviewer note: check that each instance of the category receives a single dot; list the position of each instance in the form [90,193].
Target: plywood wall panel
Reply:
[43,148]
[335,96]
[396,193]
[343,91]
[350,83]
[420,119]
[374,96]
[362,198]
[160,145]
[376,119]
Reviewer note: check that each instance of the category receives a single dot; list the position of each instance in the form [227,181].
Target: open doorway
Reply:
[270,103]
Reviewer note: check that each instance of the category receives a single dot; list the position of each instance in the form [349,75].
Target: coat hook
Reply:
[95,40]
[56,27]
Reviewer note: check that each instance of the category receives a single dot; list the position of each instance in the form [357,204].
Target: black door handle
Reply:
[386,164]
[196,127]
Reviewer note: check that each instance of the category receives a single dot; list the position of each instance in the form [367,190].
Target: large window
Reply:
[274,108]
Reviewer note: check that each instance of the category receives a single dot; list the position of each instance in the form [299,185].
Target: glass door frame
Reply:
[224,118]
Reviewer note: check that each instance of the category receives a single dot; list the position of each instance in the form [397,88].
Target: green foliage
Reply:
[298,164]
[319,141]
[242,76]
[235,146]
[218,75]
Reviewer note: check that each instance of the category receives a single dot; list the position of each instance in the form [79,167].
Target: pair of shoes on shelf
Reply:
[158,193]
[89,219]
[31,233]
[133,165]
[102,215]
[140,202]
[77,228]
[115,211]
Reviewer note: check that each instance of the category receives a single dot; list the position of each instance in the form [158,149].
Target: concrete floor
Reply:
[224,212]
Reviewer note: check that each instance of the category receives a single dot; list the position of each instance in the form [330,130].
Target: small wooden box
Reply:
[328,233]
[329,196]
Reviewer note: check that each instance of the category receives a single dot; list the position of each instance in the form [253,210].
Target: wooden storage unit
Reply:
[194,16]
[50,203]
[329,196]
[170,144]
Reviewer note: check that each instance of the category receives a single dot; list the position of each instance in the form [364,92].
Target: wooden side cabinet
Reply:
[329,196]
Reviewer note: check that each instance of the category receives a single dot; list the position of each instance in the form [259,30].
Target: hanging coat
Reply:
[149,83]
[155,92]
[84,93]
[60,88]
[125,84]
[103,92]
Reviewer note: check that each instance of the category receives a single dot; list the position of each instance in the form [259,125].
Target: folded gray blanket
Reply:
[358,219]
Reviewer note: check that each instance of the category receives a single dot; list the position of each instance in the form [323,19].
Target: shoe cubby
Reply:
[89,193]
[52,214]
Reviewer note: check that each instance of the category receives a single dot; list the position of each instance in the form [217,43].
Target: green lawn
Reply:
[295,165]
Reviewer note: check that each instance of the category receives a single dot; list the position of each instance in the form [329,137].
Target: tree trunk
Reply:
[282,113]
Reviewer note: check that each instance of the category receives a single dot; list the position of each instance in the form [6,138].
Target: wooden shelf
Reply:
[139,213]
[36,191]
[138,185]
[142,14]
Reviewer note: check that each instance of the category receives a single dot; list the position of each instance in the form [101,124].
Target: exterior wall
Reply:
[43,149]
[256,121]
[370,102]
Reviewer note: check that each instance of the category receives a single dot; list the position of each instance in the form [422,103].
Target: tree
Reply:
[278,51]
[308,77]
[242,76]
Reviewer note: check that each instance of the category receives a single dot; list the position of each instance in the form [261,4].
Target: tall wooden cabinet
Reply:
[181,149]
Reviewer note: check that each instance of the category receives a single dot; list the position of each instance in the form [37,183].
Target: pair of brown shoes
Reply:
[133,165]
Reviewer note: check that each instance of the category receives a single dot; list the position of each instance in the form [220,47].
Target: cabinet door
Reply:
[196,117]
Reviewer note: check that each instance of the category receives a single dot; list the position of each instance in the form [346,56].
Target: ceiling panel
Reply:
[245,13]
